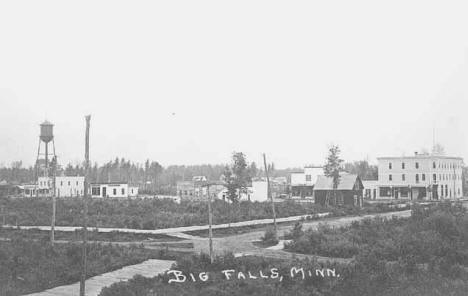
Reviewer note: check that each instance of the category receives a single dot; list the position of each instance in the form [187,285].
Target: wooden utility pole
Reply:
[454,177]
[54,195]
[3,215]
[210,221]
[85,210]
[270,196]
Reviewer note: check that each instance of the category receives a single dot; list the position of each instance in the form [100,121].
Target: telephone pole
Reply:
[54,196]
[270,196]
[85,211]
[3,215]
[210,221]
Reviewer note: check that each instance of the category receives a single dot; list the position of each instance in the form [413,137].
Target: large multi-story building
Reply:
[422,176]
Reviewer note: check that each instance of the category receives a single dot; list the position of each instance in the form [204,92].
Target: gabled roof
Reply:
[347,182]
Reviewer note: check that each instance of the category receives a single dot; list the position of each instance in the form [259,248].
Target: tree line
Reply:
[151,176]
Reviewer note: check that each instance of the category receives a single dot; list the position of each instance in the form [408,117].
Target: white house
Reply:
[259,191]
[302,183]
[110,190]
[420,177]
[371,189]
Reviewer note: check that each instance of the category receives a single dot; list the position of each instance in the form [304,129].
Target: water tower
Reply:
[46,136]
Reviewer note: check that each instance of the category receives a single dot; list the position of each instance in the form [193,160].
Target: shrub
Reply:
[269,238]
[296,232]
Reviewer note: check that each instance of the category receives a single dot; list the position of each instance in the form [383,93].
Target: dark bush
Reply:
[269,238]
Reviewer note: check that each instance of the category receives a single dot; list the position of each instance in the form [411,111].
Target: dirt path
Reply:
[94,285]
[174,229]
[242,244]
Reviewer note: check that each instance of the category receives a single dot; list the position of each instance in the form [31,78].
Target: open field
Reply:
[28,266]
[143,213]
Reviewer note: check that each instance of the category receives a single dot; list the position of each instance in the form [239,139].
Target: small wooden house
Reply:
[349,191]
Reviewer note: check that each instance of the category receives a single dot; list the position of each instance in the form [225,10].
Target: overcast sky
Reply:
[188,82]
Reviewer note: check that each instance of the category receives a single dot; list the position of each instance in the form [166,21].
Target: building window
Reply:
[114,191]
[433,165]
[403,177]
[417,178]
[403,165]
[123,191]
[61,183]
[385,191]
[423,176]
[389,165]
[434,177]
[68,183]
[390,177]
[308,178]
[96,191]
[76,183]
[404,192]
[417,165]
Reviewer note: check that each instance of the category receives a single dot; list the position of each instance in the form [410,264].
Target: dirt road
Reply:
[242,244]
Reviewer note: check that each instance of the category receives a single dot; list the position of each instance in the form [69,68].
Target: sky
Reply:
[189,82]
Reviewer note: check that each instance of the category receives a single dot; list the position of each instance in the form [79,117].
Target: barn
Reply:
[349,191]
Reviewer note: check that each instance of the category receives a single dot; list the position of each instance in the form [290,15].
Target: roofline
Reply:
[110,183]
[420,156]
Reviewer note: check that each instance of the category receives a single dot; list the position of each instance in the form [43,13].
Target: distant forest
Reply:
[151,176]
